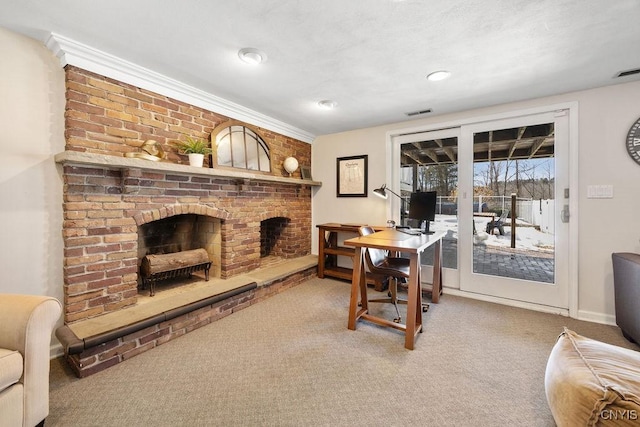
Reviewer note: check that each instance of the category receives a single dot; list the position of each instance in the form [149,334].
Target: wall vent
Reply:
[417,113]
[628,73]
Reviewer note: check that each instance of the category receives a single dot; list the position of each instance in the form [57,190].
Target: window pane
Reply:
[237,149]
[251,134]
[264,162]
[252,154]
[224,151]
[426,166]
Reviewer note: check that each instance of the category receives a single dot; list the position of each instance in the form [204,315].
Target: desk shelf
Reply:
[329,251]
[340,250]
[340,273]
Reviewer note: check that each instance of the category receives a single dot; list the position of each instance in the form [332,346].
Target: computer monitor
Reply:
[422,207]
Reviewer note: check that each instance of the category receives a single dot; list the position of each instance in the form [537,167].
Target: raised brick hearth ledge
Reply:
[95,344]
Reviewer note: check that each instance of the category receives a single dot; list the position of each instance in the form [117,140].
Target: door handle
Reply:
[564,214]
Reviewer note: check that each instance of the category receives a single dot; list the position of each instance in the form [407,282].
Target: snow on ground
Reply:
[527,237]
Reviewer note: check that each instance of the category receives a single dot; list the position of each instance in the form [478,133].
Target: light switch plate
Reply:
[600,192]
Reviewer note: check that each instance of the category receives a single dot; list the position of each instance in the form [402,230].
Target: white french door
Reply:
[497,271]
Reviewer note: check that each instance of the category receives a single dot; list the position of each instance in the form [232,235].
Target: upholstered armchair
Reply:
[626,286]
[26,325]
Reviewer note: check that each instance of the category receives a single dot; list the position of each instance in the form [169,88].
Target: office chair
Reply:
[394,269]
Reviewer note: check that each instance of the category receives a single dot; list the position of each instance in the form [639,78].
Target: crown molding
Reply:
[71,52]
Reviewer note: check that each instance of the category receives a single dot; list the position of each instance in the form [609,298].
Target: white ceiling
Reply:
[370,56]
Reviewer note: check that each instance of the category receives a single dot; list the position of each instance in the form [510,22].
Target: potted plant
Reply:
[195,148]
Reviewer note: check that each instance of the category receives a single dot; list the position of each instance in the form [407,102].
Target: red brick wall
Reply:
[103,206]
[106,116]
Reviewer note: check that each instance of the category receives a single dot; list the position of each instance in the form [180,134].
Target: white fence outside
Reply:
[534,212]
[543,214]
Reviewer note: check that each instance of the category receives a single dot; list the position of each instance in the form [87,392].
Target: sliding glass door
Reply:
[514,181]
[428,162]
[502,200]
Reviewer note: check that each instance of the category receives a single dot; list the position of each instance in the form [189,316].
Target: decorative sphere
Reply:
[290,165]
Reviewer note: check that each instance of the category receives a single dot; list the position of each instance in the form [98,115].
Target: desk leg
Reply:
[322,243]
[437,272]
[414,302]
[419,294]
[358,286]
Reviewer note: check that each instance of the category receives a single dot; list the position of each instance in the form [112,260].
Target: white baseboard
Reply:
[591,316]
[509,302]
[587,316]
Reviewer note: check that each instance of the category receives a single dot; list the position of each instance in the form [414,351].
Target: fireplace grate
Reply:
[154,278]
[155,268]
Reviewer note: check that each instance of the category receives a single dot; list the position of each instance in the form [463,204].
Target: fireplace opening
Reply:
[180,233]
[274,242]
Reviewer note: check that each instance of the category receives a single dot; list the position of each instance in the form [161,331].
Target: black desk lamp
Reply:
[382,192]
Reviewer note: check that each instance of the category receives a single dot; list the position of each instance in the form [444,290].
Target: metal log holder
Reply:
[156,267]
[152,279]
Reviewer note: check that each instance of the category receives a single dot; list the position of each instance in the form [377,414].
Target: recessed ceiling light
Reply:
[327,104]
[252,56]
[438,75]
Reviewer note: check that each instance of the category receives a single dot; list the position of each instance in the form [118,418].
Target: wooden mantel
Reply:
[92,159]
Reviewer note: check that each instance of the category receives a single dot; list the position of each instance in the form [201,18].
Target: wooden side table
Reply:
[329,250]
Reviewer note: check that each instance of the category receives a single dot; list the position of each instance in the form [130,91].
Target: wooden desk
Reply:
[329,250]
[393,240]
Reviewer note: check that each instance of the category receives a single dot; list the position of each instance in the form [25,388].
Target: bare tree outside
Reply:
[526,178]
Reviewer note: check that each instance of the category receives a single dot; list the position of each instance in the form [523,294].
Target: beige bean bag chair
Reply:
[590,383]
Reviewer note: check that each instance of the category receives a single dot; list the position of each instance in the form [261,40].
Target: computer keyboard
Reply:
[411,231]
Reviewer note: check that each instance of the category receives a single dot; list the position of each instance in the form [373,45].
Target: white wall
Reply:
[605,225]
[32,105]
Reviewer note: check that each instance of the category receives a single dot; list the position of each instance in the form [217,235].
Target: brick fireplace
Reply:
[109,199]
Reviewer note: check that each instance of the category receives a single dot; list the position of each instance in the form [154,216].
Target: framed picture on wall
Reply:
[351,176]
[305,172]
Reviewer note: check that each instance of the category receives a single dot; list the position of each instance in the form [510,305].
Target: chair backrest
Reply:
[373,257]
[504,215]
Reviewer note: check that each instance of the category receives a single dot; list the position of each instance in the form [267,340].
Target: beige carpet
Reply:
[291,361]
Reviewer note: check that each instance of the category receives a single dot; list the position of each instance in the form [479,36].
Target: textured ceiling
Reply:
[370,56]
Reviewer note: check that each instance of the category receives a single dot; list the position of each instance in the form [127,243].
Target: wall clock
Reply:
[633,141]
